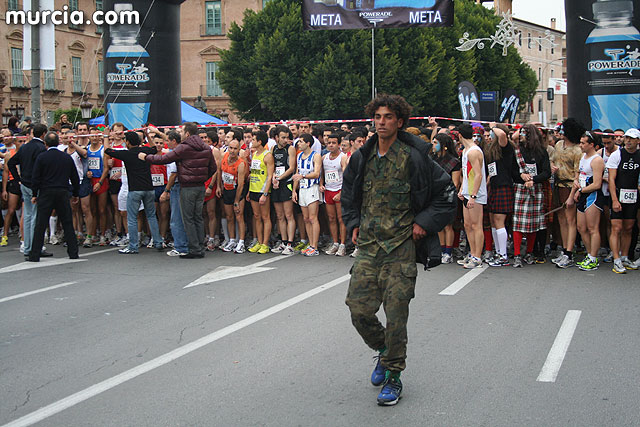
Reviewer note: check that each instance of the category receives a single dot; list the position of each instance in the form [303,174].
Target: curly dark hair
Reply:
[573,130]
[395,103]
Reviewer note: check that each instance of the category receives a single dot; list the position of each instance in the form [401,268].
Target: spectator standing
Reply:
[195,165]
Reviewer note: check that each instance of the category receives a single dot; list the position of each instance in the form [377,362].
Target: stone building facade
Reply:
[78,51]
[204,28]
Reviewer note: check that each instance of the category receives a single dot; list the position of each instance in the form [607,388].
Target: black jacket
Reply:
[432,194]
[26,158]
[53,170]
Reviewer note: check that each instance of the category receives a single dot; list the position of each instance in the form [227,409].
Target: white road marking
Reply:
[559,348]
[37,291]
[43,263]
[89,392]
[225,272]
[49,262]
[99,252]
[456,286]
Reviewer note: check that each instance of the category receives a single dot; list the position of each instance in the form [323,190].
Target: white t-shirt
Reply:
[172,168]
[614,160]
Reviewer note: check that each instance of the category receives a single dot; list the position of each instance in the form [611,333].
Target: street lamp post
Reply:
[546,122]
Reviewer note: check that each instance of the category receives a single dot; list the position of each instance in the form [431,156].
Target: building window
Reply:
[17,80]
[213,87]
[529,40]
[539,44]
[213,18]
[12,5]
[49,81]
[100,78]
[551,49]
[73,6]
[552,73]
[540,74]
[539,104]
[76,65]
[99,6]
[520,38]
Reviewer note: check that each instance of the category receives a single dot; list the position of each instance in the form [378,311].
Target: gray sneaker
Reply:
[473,263]
[629,265]
[565,262]
[517,261]
[558,258]
[618,267]
[528,258]
[464,260]
[499,261]
[487,256]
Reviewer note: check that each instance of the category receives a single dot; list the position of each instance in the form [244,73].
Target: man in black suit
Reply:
[50,184]
[26,157]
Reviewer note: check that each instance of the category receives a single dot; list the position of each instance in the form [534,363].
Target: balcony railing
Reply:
[208,30]
[18,81]
[80,87]
[211,91]
[53,85]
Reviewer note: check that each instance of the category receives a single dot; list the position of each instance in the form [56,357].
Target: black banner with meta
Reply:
[366,14]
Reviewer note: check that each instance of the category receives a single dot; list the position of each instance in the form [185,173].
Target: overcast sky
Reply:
[540,11]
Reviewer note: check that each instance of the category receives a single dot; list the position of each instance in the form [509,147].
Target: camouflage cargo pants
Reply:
[387,279]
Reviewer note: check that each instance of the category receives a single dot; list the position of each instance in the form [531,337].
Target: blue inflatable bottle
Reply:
[127,88]
[613,67]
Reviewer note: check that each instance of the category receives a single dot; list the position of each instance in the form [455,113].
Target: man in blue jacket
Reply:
[395,200]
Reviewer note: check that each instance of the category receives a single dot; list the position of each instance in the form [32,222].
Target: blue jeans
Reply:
[29,217]
[177,227]
[148,199]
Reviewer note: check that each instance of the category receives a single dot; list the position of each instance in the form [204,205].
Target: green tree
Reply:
[275,70]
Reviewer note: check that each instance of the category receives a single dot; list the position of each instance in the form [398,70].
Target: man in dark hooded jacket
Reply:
[395,200]
[196,165]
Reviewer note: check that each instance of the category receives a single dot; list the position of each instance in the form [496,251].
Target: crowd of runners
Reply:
[527,194]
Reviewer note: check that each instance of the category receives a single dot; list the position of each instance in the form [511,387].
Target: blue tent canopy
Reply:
[189,114]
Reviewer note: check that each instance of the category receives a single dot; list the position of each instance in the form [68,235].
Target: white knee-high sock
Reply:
[53,223]
[502,236]
[225,228]
[496,244]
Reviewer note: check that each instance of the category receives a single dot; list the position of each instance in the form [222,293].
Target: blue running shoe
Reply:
[377,376]
[391,389]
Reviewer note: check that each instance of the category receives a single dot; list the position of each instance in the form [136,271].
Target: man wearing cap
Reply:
[624,169]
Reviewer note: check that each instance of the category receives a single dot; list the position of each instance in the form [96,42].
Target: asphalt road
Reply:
[123,343]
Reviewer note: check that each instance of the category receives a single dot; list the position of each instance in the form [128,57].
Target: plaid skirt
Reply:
[528,212]
[501,199]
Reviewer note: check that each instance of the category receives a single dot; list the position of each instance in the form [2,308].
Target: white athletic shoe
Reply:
[240,248]
[288,250]
[279,248]
[229,247]
[173,252]
[342,250]
[354,253]
[333,249]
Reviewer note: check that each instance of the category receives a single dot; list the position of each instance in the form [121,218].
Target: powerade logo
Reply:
[375,17]
[629,62]
[129,73]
